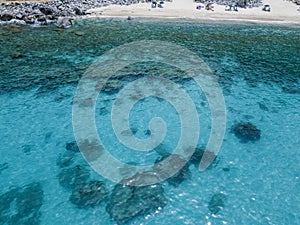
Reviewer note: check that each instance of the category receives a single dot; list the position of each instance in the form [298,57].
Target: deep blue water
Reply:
[252,182]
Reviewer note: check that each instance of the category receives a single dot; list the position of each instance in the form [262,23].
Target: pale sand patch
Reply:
[281,11]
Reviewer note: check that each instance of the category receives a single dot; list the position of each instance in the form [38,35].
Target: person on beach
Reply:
[153,4]
[267,8]
[160,4]
[231,8]
[199,7]
[209,6]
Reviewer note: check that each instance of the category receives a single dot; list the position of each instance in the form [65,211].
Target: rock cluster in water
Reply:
[51,11]
[84,192]
[124,203]
[130,198]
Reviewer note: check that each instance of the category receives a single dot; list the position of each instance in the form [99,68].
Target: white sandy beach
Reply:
[281,12]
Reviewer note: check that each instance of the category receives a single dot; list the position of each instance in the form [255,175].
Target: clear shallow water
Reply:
[258,69]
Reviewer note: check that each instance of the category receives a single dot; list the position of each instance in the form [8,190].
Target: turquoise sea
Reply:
[252,181]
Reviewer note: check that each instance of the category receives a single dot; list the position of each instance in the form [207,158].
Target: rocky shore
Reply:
[42,13]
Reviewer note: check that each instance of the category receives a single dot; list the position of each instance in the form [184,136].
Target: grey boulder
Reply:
[64,22]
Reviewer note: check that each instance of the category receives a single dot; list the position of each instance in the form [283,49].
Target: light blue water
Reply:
[258,70]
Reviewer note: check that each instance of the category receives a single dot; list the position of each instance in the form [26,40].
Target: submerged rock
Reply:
[210,160]
[17,55]
[226,169]
[3,166]
[65,159]
[183,173]
[89,194]
[112,86]
[5,200]
[217,203]
[128,202]
[90,149]
[70,177]
[30,199]
[246,132]
[21,205]
[197,156]
[262,106]
[72,146]
[141,179]
[79,33]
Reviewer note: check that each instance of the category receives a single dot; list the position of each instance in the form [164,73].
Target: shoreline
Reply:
[45,12]
[206,20]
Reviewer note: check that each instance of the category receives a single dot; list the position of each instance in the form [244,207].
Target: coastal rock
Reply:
[246,132]
[46,10]
[6,17]
[17,22]
[64,22]
[89,194]
[217,203]
[39,12]
[79,12]
[128,202]
[29,19]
